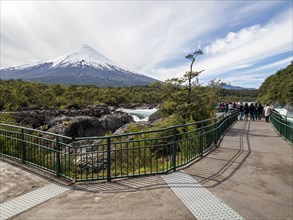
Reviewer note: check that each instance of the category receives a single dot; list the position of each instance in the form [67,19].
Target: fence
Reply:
[283,124]
[116,156]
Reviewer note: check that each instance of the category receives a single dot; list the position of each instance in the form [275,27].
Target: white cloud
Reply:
[234,40]
[279,63]
[135,34]
[255,76]
[142,35]
[245,48]
[251,45]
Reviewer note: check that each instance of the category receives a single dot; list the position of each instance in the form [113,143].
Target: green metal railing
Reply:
[283,124]
[116,156]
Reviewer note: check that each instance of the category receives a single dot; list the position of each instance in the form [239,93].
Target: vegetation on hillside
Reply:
[186,98]
[18,95]
[230,95]
[278,88]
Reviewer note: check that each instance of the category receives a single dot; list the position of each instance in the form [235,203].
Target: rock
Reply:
[137,106]
[38,118]
[114,121]
[112,103]
[93,112]
[89,155]
[30,108]
[74,106]
[33,119]
[113,108]
[91,126]
[90,163]
[63,118]
[138,125]
[122,130]
[79,128]
[156,116]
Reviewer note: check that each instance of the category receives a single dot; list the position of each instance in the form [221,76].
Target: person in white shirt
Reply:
[267,111]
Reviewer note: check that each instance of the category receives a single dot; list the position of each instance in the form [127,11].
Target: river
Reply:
[139,114]
[286,112]
[143,114]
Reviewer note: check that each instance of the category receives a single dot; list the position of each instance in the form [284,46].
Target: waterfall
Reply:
[139,114]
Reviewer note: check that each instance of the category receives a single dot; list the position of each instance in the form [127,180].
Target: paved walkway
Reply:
[251,172]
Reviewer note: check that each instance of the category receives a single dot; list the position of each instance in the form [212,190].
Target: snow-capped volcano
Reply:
[84,65]
[84,55]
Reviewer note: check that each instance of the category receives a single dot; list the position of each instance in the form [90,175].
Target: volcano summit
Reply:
[84,65]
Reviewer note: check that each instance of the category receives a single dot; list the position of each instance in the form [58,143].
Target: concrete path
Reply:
[251,171]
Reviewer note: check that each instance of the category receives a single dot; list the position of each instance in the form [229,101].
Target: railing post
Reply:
[279,119]
[75,158]
[58,167]
[200,140]
[216,133]
[108,159]
[22,146]
[174,150]
[279,116]
[286,136]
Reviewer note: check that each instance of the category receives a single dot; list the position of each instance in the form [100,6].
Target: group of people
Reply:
[254,111]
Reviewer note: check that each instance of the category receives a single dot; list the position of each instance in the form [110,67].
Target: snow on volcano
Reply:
[83,65]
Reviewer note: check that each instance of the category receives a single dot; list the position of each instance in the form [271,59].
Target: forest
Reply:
[19,95]
[277,89]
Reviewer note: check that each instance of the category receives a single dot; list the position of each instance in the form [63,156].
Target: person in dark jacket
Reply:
[259,111]
[246,111]
[251,111]
[255,111]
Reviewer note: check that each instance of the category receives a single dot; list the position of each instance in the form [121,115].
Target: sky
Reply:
[243,42]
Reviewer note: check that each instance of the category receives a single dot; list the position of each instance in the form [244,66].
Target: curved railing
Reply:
[283,124]
[116,156]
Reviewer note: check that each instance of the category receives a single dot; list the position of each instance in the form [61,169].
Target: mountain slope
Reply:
[84,65]
[277,89]
[236,87]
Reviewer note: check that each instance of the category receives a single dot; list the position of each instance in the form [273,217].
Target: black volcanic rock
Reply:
[90,126]
[38,118]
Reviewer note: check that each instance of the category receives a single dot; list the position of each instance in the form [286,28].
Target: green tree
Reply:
[278,88]
[187,98]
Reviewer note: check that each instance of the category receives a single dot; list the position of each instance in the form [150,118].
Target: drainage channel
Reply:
[200,201]
[29,200]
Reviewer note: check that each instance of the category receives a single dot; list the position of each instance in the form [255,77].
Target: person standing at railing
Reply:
[230,107]
[267,111]
[259,111]
[255,111]
[241,111]
[246,111]
[251,111]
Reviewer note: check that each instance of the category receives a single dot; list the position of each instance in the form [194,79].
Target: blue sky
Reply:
[243,41]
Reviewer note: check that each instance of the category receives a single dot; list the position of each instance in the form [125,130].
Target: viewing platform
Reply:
[250,172]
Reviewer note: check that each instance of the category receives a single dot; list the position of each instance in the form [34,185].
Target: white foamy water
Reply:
[139,114]
[284,112]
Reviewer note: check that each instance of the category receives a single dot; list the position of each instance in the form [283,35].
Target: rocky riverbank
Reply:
[77,121]
[74,121]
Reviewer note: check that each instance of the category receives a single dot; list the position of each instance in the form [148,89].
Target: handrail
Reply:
[35,130]
[116,156]
[283,124]
[150,131]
